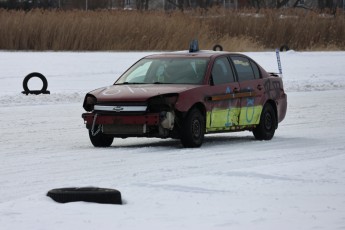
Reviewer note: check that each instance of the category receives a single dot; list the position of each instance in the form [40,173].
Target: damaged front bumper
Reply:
[151,124]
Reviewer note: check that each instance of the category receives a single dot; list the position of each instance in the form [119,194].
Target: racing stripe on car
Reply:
[231,96]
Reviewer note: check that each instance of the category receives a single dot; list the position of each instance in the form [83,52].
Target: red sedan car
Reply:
[186,95]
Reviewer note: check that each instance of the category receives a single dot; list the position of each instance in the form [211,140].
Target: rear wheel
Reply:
[193,130]
[99,139]
[265,130]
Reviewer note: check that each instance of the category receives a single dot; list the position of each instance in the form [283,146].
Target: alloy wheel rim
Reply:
[268,121]
[196,128]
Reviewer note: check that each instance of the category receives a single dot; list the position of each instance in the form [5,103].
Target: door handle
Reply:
[236,90]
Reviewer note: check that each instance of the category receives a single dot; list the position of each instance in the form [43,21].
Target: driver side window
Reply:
[222,72]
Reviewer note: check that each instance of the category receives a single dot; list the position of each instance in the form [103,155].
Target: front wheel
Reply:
[193,130]
[265,130]
[99,139]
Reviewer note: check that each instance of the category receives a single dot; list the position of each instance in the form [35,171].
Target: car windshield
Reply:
[166,71]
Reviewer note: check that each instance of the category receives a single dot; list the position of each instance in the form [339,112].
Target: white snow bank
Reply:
[70,75]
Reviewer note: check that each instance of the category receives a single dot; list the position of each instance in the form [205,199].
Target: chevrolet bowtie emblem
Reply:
[118,108]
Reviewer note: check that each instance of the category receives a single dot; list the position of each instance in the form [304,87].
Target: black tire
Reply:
[217,48]
[284,48]
[88,194]
[40,76]
[100,139]
[265,130]
[193,130]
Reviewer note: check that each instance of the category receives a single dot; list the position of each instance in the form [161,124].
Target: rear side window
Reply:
[244,69]
[256,70]
[222,72]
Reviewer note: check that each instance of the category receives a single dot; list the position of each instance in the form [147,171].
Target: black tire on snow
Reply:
[284,48]
[88,194]
[217,48]
[193,130]
[267,126]
[40,76]
[100,139]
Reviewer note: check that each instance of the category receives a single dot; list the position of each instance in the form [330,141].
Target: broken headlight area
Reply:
[164,105]
[89,102]
[165,102]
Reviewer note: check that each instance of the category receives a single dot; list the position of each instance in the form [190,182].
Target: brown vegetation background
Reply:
[135,30]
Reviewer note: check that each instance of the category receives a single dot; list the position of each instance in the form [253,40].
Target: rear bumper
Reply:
[151,119]
[282,107]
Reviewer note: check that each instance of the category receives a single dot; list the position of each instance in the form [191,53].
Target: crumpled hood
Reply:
[140,92]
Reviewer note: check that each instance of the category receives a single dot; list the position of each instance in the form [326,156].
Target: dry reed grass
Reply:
[134,30]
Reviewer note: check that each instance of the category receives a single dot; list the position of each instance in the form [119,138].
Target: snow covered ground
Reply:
[294,181]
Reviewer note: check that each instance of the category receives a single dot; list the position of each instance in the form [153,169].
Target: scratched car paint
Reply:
[186,95]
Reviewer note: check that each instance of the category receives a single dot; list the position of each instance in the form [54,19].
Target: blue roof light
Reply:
[194,46]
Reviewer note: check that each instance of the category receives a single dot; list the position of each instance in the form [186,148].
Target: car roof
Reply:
[186,53]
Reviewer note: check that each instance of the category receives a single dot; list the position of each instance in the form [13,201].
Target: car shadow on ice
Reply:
[209,141]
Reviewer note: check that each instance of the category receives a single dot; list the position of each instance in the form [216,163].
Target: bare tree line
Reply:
[169,4]
[321,4]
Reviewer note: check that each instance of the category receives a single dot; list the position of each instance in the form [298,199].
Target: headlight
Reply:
[89,102]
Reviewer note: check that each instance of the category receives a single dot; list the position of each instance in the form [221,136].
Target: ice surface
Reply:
[294,181]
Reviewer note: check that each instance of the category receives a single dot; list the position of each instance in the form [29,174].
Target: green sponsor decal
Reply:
[227,119]
[250,115]
[222,117]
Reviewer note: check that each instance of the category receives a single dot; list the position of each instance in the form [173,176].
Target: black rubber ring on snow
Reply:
[87,194]
[284,47]
[217,48]
[44,87]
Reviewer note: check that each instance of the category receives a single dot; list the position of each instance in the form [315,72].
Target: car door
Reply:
[251,90]
[223,107]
